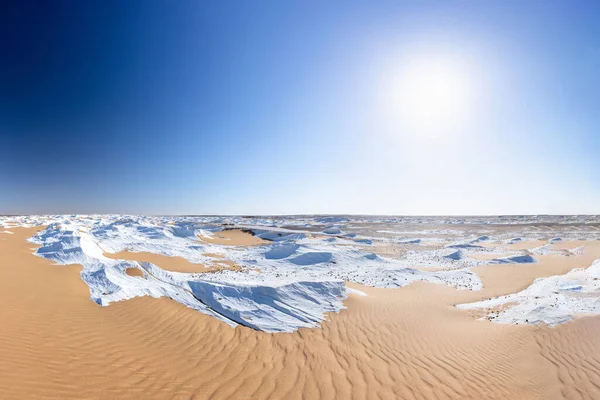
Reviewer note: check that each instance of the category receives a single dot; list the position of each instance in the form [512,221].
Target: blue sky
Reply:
[275,107]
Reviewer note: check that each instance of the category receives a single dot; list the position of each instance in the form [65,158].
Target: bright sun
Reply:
[430,97]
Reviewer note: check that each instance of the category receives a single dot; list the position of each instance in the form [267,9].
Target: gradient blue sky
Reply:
[272,107]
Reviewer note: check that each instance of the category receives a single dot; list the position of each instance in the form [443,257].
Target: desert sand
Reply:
[233,237]
[175,264]
[409,343]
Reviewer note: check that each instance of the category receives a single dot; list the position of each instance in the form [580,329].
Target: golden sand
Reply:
[175,264]
[408,343]
[234,237]
[213,255]
[501,279]
[134,272]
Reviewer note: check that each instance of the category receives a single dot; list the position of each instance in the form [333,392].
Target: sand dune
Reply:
[408,343]
[573,351]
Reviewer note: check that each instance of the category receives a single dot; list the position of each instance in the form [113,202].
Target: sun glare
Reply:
[430,97]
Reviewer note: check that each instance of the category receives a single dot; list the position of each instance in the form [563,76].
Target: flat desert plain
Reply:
[304,307]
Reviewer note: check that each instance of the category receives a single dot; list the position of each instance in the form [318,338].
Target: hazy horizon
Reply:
[300,108]
[319,215]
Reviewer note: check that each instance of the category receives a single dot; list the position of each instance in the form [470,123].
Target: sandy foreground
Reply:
[408,343]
